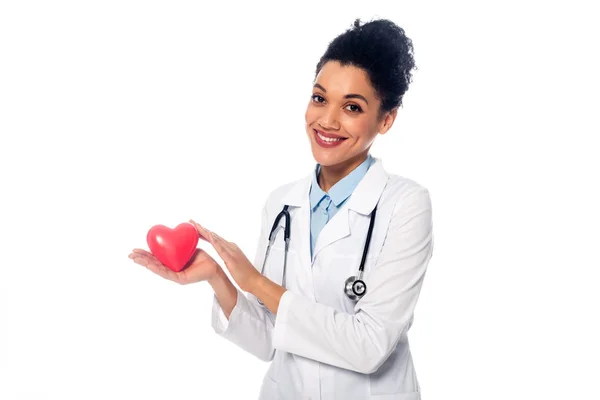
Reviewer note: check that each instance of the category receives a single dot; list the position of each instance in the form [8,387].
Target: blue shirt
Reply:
[325,205]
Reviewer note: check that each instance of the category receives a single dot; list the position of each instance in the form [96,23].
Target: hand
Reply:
[201,267]
[241,269]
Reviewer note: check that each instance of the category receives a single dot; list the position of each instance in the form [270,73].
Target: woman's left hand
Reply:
[239,266]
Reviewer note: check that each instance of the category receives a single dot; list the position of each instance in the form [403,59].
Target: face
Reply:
[342,117]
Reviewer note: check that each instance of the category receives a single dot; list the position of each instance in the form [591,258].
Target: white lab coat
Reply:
[323,345]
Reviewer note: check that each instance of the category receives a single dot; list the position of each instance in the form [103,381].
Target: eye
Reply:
[354,108]
[317,99]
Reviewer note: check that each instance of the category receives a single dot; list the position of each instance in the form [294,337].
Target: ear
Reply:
[388,121]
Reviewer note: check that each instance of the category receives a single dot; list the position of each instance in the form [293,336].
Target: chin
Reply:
[327,158]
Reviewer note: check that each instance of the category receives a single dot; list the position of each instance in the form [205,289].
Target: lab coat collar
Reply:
[339,192]
[363,199]
[369,189]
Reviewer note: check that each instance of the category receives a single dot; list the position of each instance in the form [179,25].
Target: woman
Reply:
[327,338]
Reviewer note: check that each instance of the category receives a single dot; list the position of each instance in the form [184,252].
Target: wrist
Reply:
[254,283]
[217,276]
[267,291]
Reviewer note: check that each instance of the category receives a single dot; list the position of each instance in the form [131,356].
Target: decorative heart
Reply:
[173,247]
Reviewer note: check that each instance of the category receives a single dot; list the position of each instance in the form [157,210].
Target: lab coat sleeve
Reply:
[363,341]
[250,326]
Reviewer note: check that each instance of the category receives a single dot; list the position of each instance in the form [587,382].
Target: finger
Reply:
[143,252]
[203,232]
[147,254]
[148,261]
[216,240]
[141,259]
[153,265]
[223,247]
[209,235]
[220,240]
[219,244]
[163,271]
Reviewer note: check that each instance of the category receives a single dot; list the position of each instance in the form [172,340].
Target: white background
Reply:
[119,115]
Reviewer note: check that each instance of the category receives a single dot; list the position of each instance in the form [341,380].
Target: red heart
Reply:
[173,247]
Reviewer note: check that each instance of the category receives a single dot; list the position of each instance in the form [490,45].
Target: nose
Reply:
[329,119]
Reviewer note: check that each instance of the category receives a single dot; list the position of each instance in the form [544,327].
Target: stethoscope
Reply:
[354,287]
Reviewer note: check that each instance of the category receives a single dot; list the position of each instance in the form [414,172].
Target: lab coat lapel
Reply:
[304,240]
[363,200]
[335,229]
[298,200]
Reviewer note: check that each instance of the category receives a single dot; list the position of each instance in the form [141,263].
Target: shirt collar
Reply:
[342,189]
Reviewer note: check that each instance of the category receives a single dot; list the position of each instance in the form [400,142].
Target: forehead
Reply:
[341,80]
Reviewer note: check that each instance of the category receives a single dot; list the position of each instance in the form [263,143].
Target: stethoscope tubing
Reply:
[351,283]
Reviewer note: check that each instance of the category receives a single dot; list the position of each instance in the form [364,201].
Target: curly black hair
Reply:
[380,48]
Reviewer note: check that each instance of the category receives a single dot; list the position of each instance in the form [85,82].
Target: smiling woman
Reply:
[335,302]
[359,85]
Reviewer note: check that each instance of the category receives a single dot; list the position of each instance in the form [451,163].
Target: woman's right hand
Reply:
[201,266]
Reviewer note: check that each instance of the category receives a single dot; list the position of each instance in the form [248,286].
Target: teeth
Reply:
[326,139]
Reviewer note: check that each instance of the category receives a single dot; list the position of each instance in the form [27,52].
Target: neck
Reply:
[332,174]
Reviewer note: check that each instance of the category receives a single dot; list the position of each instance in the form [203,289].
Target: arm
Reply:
[363,341]
[225,293]
[239,318]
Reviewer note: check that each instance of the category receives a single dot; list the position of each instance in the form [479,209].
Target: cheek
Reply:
[310,115]
[358,127]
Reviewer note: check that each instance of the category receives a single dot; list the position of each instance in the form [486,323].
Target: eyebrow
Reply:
[348,96]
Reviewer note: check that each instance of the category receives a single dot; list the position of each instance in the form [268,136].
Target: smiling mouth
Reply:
[326,140]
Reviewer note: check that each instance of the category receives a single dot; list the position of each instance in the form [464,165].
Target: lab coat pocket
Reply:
[347,257]
[275,367]
[269,389]
[396,377]
[352,260]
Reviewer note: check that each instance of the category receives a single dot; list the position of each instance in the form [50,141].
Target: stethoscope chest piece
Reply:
[355,288]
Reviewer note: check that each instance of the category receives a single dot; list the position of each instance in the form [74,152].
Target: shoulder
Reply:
[400,187]
[281,191]
[407,195]
[291,193]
